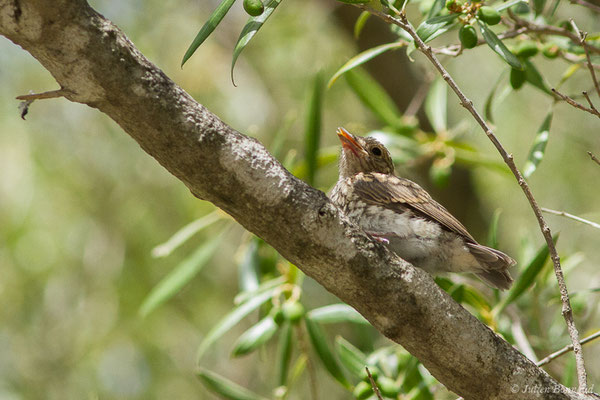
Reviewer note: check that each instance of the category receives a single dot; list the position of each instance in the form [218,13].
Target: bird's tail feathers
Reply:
[495,264]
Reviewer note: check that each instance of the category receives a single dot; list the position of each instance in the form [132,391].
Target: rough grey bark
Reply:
[97,65]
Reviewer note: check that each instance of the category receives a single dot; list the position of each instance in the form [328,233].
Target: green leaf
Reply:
[538,6]
[225,387]
[436,8]
[319,342]
[312,132]
[492,239]
[284,353]
[536,153]
[254,337]
[434,27]
[350,357]
[412,375]
[242,297]
[336,313]
[436,105]
[533,76]
[232,318]
[374,97]
[491,98]
[207,28]
[508,4]
[182,235]
[250,29]
[249,266]
[499,47]
[527,277]
[363,57]
[360,23]
[179,276]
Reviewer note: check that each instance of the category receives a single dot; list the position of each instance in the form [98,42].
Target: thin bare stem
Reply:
[575,104]
[586,4]
[567,311]
[565,350]
[571,216]
[593,157]
[51,94]
[373,384]
[583,36]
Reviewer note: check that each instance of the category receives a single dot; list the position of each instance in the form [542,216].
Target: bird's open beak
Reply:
[349,142]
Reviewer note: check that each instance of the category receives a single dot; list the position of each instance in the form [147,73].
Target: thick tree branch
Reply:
[95,64]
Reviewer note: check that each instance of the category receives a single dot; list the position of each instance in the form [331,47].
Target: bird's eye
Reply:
[376,151]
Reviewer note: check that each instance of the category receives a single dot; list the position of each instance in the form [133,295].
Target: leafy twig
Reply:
[565,350]
[571,216]
[576,104]
[567,311]
[582,37]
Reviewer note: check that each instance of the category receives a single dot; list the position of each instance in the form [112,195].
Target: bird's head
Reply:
[362,154]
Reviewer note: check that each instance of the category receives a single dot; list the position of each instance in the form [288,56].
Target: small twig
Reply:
[551,30]
[585,94]
[565,350]
[583,36]
[586,4]
[567,311]
[571,216]
[576,104]
[593,157]
[51,94]
[373,384]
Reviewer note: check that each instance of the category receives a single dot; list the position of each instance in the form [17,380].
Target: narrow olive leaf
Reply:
[496,44]
[508,4]
[180,276]
[182,235]
[360,23]
[527,277]
[250,29]
[225,387]
[232,318]
[533,76]
[492,239]
[491,98]
[312,130]
[475,299]
[569,73]
[208,28]
[436,8]
[363,57]
[536,153]
[319,342]
[354,1]
[336,313]
[538,6]
[412,375]
[373,96]
[352,358]
[434,27]
[263,287]
[248,267]
[436,106]
[284,353]
[254,337]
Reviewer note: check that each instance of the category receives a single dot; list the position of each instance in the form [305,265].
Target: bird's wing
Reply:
[395,193]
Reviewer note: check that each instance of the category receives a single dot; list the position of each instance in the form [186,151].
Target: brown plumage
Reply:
[401,214]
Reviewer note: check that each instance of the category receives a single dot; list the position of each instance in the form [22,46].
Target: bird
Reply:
[405,218]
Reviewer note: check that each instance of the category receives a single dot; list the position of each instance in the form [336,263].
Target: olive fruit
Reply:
[388,387]
[488,15]
[526,49]
[293,311]
[550,50]
[254,7]
[362,390]
[467,36]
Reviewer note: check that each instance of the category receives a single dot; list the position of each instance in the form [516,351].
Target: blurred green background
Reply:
[82,206]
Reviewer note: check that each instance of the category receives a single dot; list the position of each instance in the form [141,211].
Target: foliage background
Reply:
[81,207]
